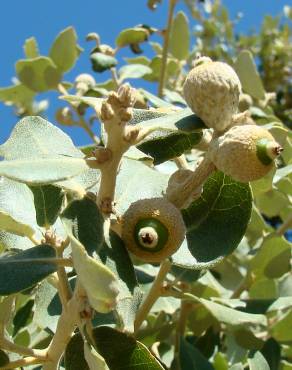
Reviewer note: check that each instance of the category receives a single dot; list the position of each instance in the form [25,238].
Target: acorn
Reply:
[212,91]
[246,153]
[153,229]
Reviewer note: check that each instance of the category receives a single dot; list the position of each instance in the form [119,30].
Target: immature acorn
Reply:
[153,229]
[245,153]
[212,91]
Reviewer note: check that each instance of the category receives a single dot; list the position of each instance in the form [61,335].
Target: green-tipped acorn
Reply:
[245,153]
[153,229]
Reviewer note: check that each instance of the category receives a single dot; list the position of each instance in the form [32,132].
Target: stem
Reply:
[11,347]
[115,77]
[64,288]
[171,7]
[285,226]
[33,240]
[27,361]
[181,162]
[153,294]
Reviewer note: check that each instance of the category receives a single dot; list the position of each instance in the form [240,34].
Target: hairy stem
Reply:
[64,289]
[153,294]
[171,7]
[27,361]
[11,347]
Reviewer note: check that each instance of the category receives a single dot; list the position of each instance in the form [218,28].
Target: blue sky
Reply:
[44,19]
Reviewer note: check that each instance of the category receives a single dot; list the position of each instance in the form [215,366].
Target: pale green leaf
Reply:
[179,41]
[131,36]
[94,360]
[133,71]
[8,223]
[31,49]
[257,361]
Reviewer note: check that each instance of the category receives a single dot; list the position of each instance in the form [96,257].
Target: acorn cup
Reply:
[246,153]
[153,229]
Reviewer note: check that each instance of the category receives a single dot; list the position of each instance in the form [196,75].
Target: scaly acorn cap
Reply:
[153,229]
[245,153]
[212,91]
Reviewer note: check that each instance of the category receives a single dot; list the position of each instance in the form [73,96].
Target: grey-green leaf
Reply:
[17,94]
[133,71]
[257,361]
[48,200]
[179,41]
[131,36]
[64,51]
[248,75]
[101,62]
[216,222]
[25,269]
[38,74]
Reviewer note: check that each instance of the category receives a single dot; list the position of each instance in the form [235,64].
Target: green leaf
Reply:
[31,49]
[248,75]
[115,256]
[86,222]
[246,339]
[256,361]
[154,100]
[64,51]
[17,94]
[101,62]
[22,316]
[172,68]
[4,359]
[8,223]
[99,282]
[38,74]
[42,171]
[179,41]
[191,358]
[34,137]
[280,331]
[216,222]
[131,36]
[48,201]
[23,270]
[272,353]
[122,351]
[272,259]
[133,71]
[172,135]
[74,354]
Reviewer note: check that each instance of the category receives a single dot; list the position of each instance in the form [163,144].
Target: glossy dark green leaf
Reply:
[101,62]
[122,351]
[86,222]
[25,269]
[4,359]
[74,354]
[38,74]
[22,316]
[131,36]
[257,361]
[216,222]
[191,358]
[179,41]
[48,201]
[115,256]
[272,353]
[64,51]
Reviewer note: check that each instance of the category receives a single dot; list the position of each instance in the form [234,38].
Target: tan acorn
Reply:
[153,229]
[246,153]
[212,91]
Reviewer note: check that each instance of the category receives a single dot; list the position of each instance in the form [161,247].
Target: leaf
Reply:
[93,358]
[256,361]
[48,201]
[17,201]
[216,222]
[23,270]
[272,260]
[230,316]
[101,62]
[191,358]
[4,359]
[34,137]
[133,71]
[114,256]
[130,187]
[8,223]
[38,74]
[131,36]
[280,330]
[248,75]
[22,316]
[155,100]
[179,41]
[42,171]
[64,51]
[272,353]
[86,222]
[122,351]
[17,94]
[99,282]
[74,354]
[31,49]
[172,68]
